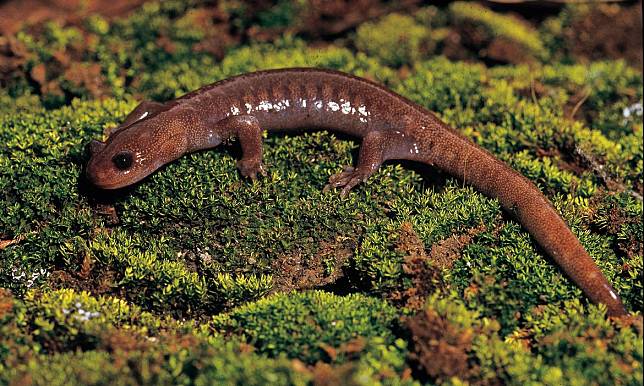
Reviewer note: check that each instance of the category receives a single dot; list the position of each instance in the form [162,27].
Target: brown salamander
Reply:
[391,128]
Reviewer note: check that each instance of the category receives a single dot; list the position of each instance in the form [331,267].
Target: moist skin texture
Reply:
[391,128]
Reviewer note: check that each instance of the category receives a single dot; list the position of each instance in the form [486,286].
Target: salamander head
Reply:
[134,152]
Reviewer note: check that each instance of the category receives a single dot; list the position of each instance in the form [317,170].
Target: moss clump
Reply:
[164,284]
[452,344]
[176,79]
[443,86]
[607,351]
[396,39]
[309,325]
[493,25]
[66,337]
[188,361]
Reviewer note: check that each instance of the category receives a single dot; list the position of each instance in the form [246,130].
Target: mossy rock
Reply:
[199,275]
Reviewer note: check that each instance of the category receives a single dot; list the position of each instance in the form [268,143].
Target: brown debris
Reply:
[68,73]
[39,74]
[440,348]
[67,66]
[216,24]
[630,247]
[504,50]
[425,270]
[296,271]
[447,251]
[86,267]
[6,302]
[323,19]
[349,350]
[119,340]
[574,159]
[329,18]
[330,351]
[5,243]
[326,375]
[596,164]
[108,211]
[87,76]
[424,273]
[89,277]
[13,57]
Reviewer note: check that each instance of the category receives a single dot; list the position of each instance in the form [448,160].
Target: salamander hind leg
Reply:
[377,147]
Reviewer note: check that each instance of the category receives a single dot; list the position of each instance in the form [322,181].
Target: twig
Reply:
[5,243]
[579,103]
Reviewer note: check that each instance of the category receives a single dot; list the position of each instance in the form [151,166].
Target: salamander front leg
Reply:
[246,128]
[372,155]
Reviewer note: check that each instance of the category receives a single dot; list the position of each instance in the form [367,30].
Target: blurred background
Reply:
[62,49]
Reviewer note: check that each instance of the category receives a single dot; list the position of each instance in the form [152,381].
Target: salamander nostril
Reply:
[122,160]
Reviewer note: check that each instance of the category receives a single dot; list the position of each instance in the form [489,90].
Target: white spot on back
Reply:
[611,292]
[346,108]
[264,105]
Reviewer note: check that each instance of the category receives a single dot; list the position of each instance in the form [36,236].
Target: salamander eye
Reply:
[122,160]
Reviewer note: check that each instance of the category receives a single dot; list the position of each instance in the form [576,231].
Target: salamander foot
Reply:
[250,168]
[346,179]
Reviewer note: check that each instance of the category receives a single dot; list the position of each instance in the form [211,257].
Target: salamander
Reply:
[390,127]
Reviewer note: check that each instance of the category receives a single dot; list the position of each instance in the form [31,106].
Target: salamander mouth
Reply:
[107,184]
[110,178]
[101,179]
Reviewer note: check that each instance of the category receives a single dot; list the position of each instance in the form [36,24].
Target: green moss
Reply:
[607,352]
[396,39]
[434,216]
[66,337]
[452,88]
[200,365]
[283,14]
[63,320]
[81,339]
[302,324]
[174,80]
[499,25]
[567,348]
